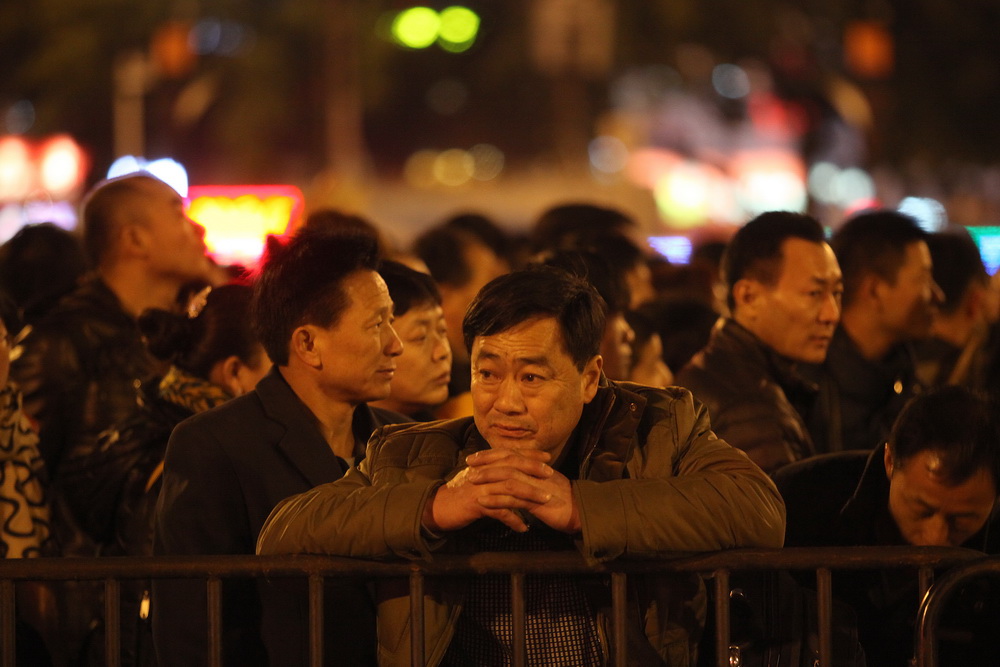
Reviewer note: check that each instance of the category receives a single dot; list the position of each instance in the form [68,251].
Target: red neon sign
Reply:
[238,218]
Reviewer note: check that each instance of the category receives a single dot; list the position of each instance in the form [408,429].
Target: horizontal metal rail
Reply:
[316,568]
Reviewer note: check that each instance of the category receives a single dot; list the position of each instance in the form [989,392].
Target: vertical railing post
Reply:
[619,598]
[112,622]
[7,624]
[316,620]
[214,590]
[417,618]
[824,615]
[722,618]
[518,611]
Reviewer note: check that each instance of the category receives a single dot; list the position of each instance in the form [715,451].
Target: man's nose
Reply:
[394,345]
[935,533]
[509,398]
[830,310]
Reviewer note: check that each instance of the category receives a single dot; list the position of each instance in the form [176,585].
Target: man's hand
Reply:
[499,481]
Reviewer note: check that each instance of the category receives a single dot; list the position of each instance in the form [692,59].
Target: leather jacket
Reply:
[755,397]
[81,370]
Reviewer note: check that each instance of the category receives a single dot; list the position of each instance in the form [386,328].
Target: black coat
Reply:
[842,499]
[225,469]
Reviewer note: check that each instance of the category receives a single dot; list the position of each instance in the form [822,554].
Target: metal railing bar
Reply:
[112,622]
[7,631]
[932,606]
[518,613]
[214,590]
[619,599]
[316,620]
[721,577]
[416,618]
[180,567]
[824,614]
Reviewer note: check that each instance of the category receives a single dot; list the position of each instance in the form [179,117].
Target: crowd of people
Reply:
[566,389]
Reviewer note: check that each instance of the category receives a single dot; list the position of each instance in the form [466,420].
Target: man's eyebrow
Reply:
[527,361]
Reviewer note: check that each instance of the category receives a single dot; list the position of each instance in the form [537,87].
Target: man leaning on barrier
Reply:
[555,457]
[933,484]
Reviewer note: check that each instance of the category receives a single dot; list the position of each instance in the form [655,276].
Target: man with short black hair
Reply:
[890,298]
[555,457]
[324,317]
[783,291]
[933,483]
[83,364]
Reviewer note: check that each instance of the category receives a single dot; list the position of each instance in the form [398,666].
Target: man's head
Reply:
[424,368]
[460,264]
[943,465]
[616,344]
[887,272]
[140,218]
[320,304]
[534,337]
[784,285]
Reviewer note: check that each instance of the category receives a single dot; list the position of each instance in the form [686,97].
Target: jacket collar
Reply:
[302,441]
[605,435]
[733,336]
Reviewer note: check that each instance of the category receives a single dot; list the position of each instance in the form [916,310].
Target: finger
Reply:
[510,519]
[499,472]
[488,456]
[530,467]
[515,494]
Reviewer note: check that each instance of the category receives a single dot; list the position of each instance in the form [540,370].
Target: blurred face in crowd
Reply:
[649,367]
[526,391]
[424,368]
[796,316]
[616,347]
[930,511]
[909,304]
[485,265]
[358,353]
[176,242]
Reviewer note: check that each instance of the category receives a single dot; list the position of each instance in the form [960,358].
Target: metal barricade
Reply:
[933,603]
[718,565]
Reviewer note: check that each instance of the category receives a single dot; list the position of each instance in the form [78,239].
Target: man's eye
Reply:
[417,339]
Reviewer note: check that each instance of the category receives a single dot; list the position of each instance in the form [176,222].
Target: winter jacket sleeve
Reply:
[687,491]
[356,518]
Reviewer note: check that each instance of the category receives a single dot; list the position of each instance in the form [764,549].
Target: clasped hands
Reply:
[495,484]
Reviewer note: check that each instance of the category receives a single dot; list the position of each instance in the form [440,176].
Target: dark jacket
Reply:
[755,397]
[859,399]
[842,499]
[652,477]
[81,370]
[225,469]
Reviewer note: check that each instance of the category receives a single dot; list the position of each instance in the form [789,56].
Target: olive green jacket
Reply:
[653,478]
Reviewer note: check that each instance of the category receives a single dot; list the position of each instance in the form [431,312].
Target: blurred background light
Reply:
[488,161]
[458,29]
[929,213]
[608,154]
[454,167]
[730,81]
[62,166]
[416,27]
[677,249]
[167,170]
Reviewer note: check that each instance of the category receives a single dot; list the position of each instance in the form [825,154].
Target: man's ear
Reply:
[591,377]
[887,460]
[746,297]
[225,373]
[303,346]
[133,240]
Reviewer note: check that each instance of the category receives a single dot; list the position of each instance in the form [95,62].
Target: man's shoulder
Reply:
[404,444]
[815,490]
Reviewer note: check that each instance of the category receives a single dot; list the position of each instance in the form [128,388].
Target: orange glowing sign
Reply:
[238,218]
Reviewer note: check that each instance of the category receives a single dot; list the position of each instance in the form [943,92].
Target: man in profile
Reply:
[933,483]
[324,316]
[83,364]
[783,289]
[555,457]
[890,299]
